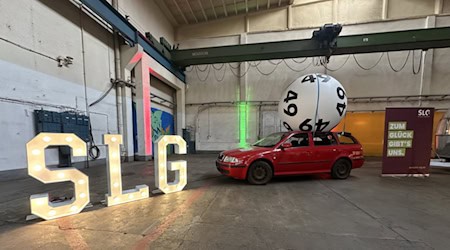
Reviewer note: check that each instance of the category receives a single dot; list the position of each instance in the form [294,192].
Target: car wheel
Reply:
[341,169]
[259,173]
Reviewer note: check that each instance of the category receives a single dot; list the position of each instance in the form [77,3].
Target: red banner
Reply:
[407,141]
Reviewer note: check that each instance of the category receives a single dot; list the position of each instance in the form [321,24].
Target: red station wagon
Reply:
[293,153]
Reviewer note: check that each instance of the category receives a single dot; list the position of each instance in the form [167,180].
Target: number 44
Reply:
[42,207]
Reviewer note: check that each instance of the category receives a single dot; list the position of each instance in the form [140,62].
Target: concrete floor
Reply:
[216,212]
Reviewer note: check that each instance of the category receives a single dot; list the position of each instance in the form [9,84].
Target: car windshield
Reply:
[270,140]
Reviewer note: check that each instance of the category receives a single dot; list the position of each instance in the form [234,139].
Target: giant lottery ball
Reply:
[314,102]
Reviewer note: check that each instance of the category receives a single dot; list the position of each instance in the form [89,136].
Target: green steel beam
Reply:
[354,44]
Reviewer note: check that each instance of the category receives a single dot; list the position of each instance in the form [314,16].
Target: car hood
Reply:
[245,152]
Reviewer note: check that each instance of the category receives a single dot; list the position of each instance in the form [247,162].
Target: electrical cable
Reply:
[207,75]
[94,151]
[324,64]
[223,64]
[239,64]
[371,67]
[297,70]
[254,65]
[316,61]
[404,64]
[103,96]
[203,70]
[317,107]
[293,59]
[266,74]
[92,146]
[223,76]
[276,63]
[28,49]
[420,63]
[238,75]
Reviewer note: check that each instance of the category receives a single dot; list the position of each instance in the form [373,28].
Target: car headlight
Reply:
[230,159]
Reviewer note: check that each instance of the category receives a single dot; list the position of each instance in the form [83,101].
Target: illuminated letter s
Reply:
[40,204]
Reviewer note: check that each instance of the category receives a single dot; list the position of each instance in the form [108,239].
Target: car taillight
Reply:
[357,153]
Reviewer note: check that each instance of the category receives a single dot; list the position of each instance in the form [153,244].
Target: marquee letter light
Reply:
[115,195]
[40,204]
[178,166]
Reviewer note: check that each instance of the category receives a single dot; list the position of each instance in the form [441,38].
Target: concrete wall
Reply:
[32,35]
[208,95]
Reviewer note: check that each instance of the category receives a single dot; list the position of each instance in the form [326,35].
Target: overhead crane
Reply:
[327,44]
[324,42]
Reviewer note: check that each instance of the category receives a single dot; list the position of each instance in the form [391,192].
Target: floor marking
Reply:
[73,237]
[168,220]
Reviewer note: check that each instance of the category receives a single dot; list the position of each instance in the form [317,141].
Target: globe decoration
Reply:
[314,102]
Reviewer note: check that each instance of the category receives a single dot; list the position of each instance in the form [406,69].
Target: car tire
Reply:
[259,173]
[341,169]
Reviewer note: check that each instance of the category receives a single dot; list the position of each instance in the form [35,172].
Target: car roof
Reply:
[308,132]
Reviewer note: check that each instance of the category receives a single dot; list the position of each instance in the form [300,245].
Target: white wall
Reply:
[31,81]
[146,16]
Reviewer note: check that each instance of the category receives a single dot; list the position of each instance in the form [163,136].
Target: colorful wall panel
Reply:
[162,124]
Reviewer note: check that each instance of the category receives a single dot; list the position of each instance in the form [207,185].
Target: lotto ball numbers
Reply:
[314,102]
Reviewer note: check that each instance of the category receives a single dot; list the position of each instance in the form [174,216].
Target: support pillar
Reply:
[143,112]
[130,57]
[427,63]
[181,110]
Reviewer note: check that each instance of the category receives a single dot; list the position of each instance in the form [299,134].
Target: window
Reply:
[299,140]
[324,139]
[346,139]
[270,140]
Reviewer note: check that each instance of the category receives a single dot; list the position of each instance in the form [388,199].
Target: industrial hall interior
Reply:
[224,124]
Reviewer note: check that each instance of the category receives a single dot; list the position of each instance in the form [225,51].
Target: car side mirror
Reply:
[286,145]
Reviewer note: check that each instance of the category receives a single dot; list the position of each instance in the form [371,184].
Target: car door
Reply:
[324,151]
[297,158]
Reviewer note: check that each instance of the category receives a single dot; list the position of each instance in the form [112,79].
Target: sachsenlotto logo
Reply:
[423,113]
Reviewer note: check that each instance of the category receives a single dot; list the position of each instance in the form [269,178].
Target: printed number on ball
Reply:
[313,102]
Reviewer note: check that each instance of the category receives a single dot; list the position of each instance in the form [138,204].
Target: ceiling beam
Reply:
[224,8]
[162,5]
[203,10]
[230,6]
[214,9]
[190,7]
[181,12]
[354,44]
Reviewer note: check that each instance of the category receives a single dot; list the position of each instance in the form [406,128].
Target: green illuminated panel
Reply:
[243,120]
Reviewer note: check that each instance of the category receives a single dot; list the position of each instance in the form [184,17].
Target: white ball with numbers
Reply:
[314,102]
